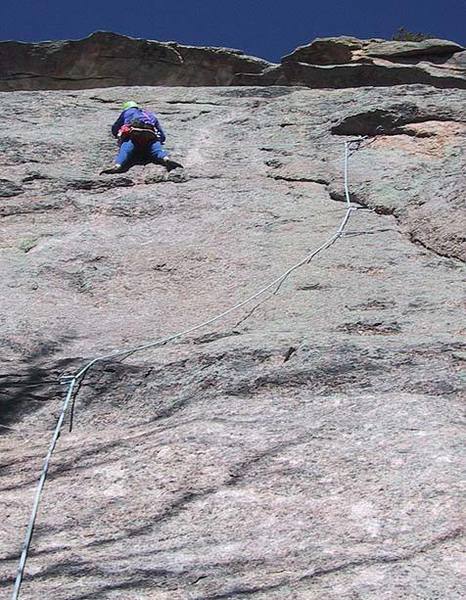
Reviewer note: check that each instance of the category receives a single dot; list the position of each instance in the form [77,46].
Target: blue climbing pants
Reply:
[130,154]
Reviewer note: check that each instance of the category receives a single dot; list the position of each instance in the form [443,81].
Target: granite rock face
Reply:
[106,59]
[342,50]
[300,449]
[350,62]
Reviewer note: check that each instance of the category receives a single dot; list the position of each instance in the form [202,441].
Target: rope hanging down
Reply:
[73,380]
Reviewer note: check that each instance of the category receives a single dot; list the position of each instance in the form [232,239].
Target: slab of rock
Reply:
[349,62]
[343,49]
[303,448]
[369,74]
[326,51]
[428,50]
[106,59]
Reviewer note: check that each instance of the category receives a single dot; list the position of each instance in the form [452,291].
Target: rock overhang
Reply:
[106,59]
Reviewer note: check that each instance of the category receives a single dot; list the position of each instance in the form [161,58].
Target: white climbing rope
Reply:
[72,380]
[40,487]
[276,282]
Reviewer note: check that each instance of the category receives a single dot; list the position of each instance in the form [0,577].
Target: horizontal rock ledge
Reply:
[106,59]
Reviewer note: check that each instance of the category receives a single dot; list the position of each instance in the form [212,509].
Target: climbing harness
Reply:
[73,381]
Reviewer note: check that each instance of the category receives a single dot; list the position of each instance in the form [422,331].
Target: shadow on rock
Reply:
[22,390]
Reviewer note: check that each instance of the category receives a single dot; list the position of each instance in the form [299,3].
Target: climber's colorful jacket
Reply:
[128,115]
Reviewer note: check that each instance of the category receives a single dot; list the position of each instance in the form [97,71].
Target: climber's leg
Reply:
[125,159]
[159,156]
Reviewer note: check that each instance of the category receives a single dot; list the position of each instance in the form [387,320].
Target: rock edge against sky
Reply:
[106,59]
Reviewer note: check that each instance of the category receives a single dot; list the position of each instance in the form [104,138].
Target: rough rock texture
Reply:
[341,50]
[305,450]
[349,62]
[106,59]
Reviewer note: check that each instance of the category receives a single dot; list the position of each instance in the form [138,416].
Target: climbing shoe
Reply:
[171,164]
[113,169]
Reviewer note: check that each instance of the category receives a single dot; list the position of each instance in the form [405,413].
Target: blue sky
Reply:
[265,28]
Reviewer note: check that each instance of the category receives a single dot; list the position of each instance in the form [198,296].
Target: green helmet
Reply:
[130,104]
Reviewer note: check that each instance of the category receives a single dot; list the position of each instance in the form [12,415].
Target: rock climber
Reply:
[140,138]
